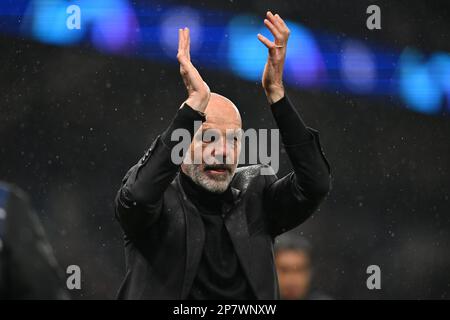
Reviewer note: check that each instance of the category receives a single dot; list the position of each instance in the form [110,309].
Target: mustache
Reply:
[217,167]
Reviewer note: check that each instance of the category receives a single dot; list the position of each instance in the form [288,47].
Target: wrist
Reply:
[196,104]
[275,94]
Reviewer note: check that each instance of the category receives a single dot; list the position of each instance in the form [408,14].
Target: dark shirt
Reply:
[220,275]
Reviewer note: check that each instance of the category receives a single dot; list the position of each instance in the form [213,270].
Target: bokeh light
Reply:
[358,67]
[417,86]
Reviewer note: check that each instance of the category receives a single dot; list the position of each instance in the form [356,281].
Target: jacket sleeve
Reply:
[139,201]
[289,201]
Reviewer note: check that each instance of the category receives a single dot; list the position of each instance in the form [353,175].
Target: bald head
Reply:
[221,110]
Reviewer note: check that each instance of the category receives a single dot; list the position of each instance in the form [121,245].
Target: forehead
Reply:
[219,123]
[222,114]
[289,255]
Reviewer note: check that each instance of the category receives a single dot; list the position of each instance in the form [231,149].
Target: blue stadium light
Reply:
[304,64]
[47,19]
[114,24]
[417,85]
[222,40]
[111,24]
[440,70]
[174,19]
[358,67]
[246,54]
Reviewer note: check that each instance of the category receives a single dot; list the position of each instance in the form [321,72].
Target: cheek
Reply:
[203,152]
[236,154]
[282,279]
[196,151]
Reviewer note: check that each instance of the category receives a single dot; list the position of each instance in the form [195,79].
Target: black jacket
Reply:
[163,230]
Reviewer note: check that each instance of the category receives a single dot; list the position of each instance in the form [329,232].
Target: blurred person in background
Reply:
[293,259]
[28,268]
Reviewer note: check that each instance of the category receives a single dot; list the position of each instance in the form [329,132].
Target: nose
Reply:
[220,150]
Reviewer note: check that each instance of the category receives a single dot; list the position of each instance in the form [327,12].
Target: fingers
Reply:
[269,44]
[181,43]
[281,20]
[180,40]
[273,19]
[272,29]
[183,46]
[277,27]
[189,73]
[198,90]
[188,43]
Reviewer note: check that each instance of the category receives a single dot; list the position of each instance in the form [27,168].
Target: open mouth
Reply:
[216,169]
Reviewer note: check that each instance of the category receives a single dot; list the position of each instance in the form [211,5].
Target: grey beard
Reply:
[201,179]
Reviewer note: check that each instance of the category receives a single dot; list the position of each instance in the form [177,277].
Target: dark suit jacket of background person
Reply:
[28,267]
[164,234]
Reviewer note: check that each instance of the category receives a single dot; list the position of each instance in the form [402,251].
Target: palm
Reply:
[272,80]
[198,90]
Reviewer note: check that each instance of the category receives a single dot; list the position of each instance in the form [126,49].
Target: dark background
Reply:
[73,121]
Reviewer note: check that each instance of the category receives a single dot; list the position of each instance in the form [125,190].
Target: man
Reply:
[293,258]
[206,231]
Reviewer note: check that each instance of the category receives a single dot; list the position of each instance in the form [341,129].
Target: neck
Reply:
[204,199]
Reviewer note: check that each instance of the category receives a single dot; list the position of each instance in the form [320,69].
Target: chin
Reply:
[216,185]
